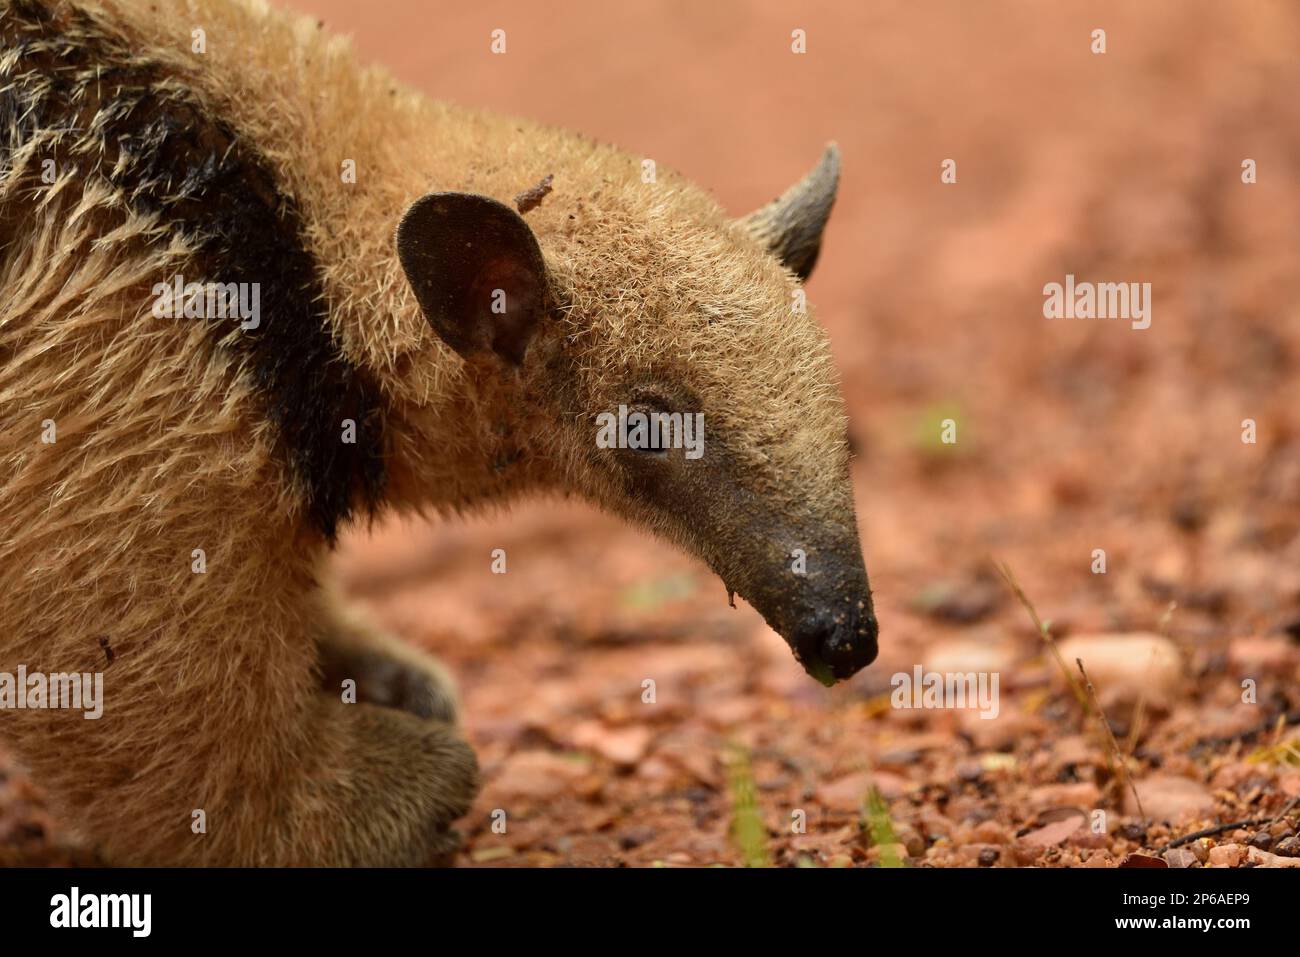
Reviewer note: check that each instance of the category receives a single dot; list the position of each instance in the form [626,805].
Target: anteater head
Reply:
[662,362]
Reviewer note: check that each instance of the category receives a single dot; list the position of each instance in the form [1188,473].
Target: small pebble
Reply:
[911,839]
[1288,847]
[1133,831]
[990,832]
[1261,839]
[1226,855]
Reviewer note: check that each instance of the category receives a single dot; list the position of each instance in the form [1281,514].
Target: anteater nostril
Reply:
[811,643]
[832,650]
[847,651]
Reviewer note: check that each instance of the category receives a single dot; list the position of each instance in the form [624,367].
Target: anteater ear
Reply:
[791,225]
[476,270]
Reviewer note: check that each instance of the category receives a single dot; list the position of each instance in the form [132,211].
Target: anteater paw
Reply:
[404,679]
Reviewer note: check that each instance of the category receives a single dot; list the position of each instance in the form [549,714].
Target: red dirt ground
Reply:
[1074,435]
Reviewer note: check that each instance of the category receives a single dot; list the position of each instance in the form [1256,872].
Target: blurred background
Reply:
[1073,435]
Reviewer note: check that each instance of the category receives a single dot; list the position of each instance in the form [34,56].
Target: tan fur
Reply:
[211,699]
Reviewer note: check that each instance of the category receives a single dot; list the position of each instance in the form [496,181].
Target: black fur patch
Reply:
[126,119]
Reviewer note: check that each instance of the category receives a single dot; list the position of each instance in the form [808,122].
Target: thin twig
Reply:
[1044,631]
[1286,810]
[1212,831]
[1110,738]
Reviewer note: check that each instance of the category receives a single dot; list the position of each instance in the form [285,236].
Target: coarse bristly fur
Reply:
[222,690]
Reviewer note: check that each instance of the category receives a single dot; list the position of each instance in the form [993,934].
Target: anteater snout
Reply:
[832,649]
